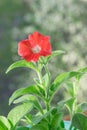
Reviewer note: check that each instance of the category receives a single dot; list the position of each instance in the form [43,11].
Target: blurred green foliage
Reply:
[64,21]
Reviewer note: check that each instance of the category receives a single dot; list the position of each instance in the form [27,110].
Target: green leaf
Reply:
[62,125]
[2,126]
[54,53]
[65,77]
[22,91]
[69,88]
[18,112]
[56,120]
[28,120]
[39,127]
[30,99]
[79,121]
[22,128]
[69,104]
[82,72]
[22,63]
[57,52]
[4,123]
[62,78]
[59,107]
[44,122]
[46,80]
[37,118]
[24,98]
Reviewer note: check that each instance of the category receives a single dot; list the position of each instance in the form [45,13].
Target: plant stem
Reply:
[48,108]
[40,77]
[75,101]
[45,88]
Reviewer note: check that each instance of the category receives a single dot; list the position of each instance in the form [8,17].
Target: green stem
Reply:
[47,90]
[47,71]
[75,96]
[48,108]
[47,101]
[74,106]
[40,77]
[47,95]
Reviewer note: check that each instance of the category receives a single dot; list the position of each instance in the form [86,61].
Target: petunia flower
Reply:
[35,46]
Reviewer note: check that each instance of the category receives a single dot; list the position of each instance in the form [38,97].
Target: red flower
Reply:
[35,46]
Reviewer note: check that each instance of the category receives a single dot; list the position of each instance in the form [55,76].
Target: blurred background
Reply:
[64,20]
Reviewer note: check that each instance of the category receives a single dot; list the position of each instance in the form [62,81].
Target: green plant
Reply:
[34,103]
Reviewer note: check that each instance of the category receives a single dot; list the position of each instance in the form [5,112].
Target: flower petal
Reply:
[24,48]
[35,38]
[46,46]
[32,57]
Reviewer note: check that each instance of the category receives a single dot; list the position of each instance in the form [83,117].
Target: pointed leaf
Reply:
[46,80]
[45,60]
[69,104]
[37,118]
[5,123]
[22,63]
[2,126]
[18,112]
[22,128]
[22,91]
[64,77]
[60,79]
[79,121]
[30,99]
[82,72]
[39,127]
[54,53]
[57,52]
[69,88]
[56,120]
